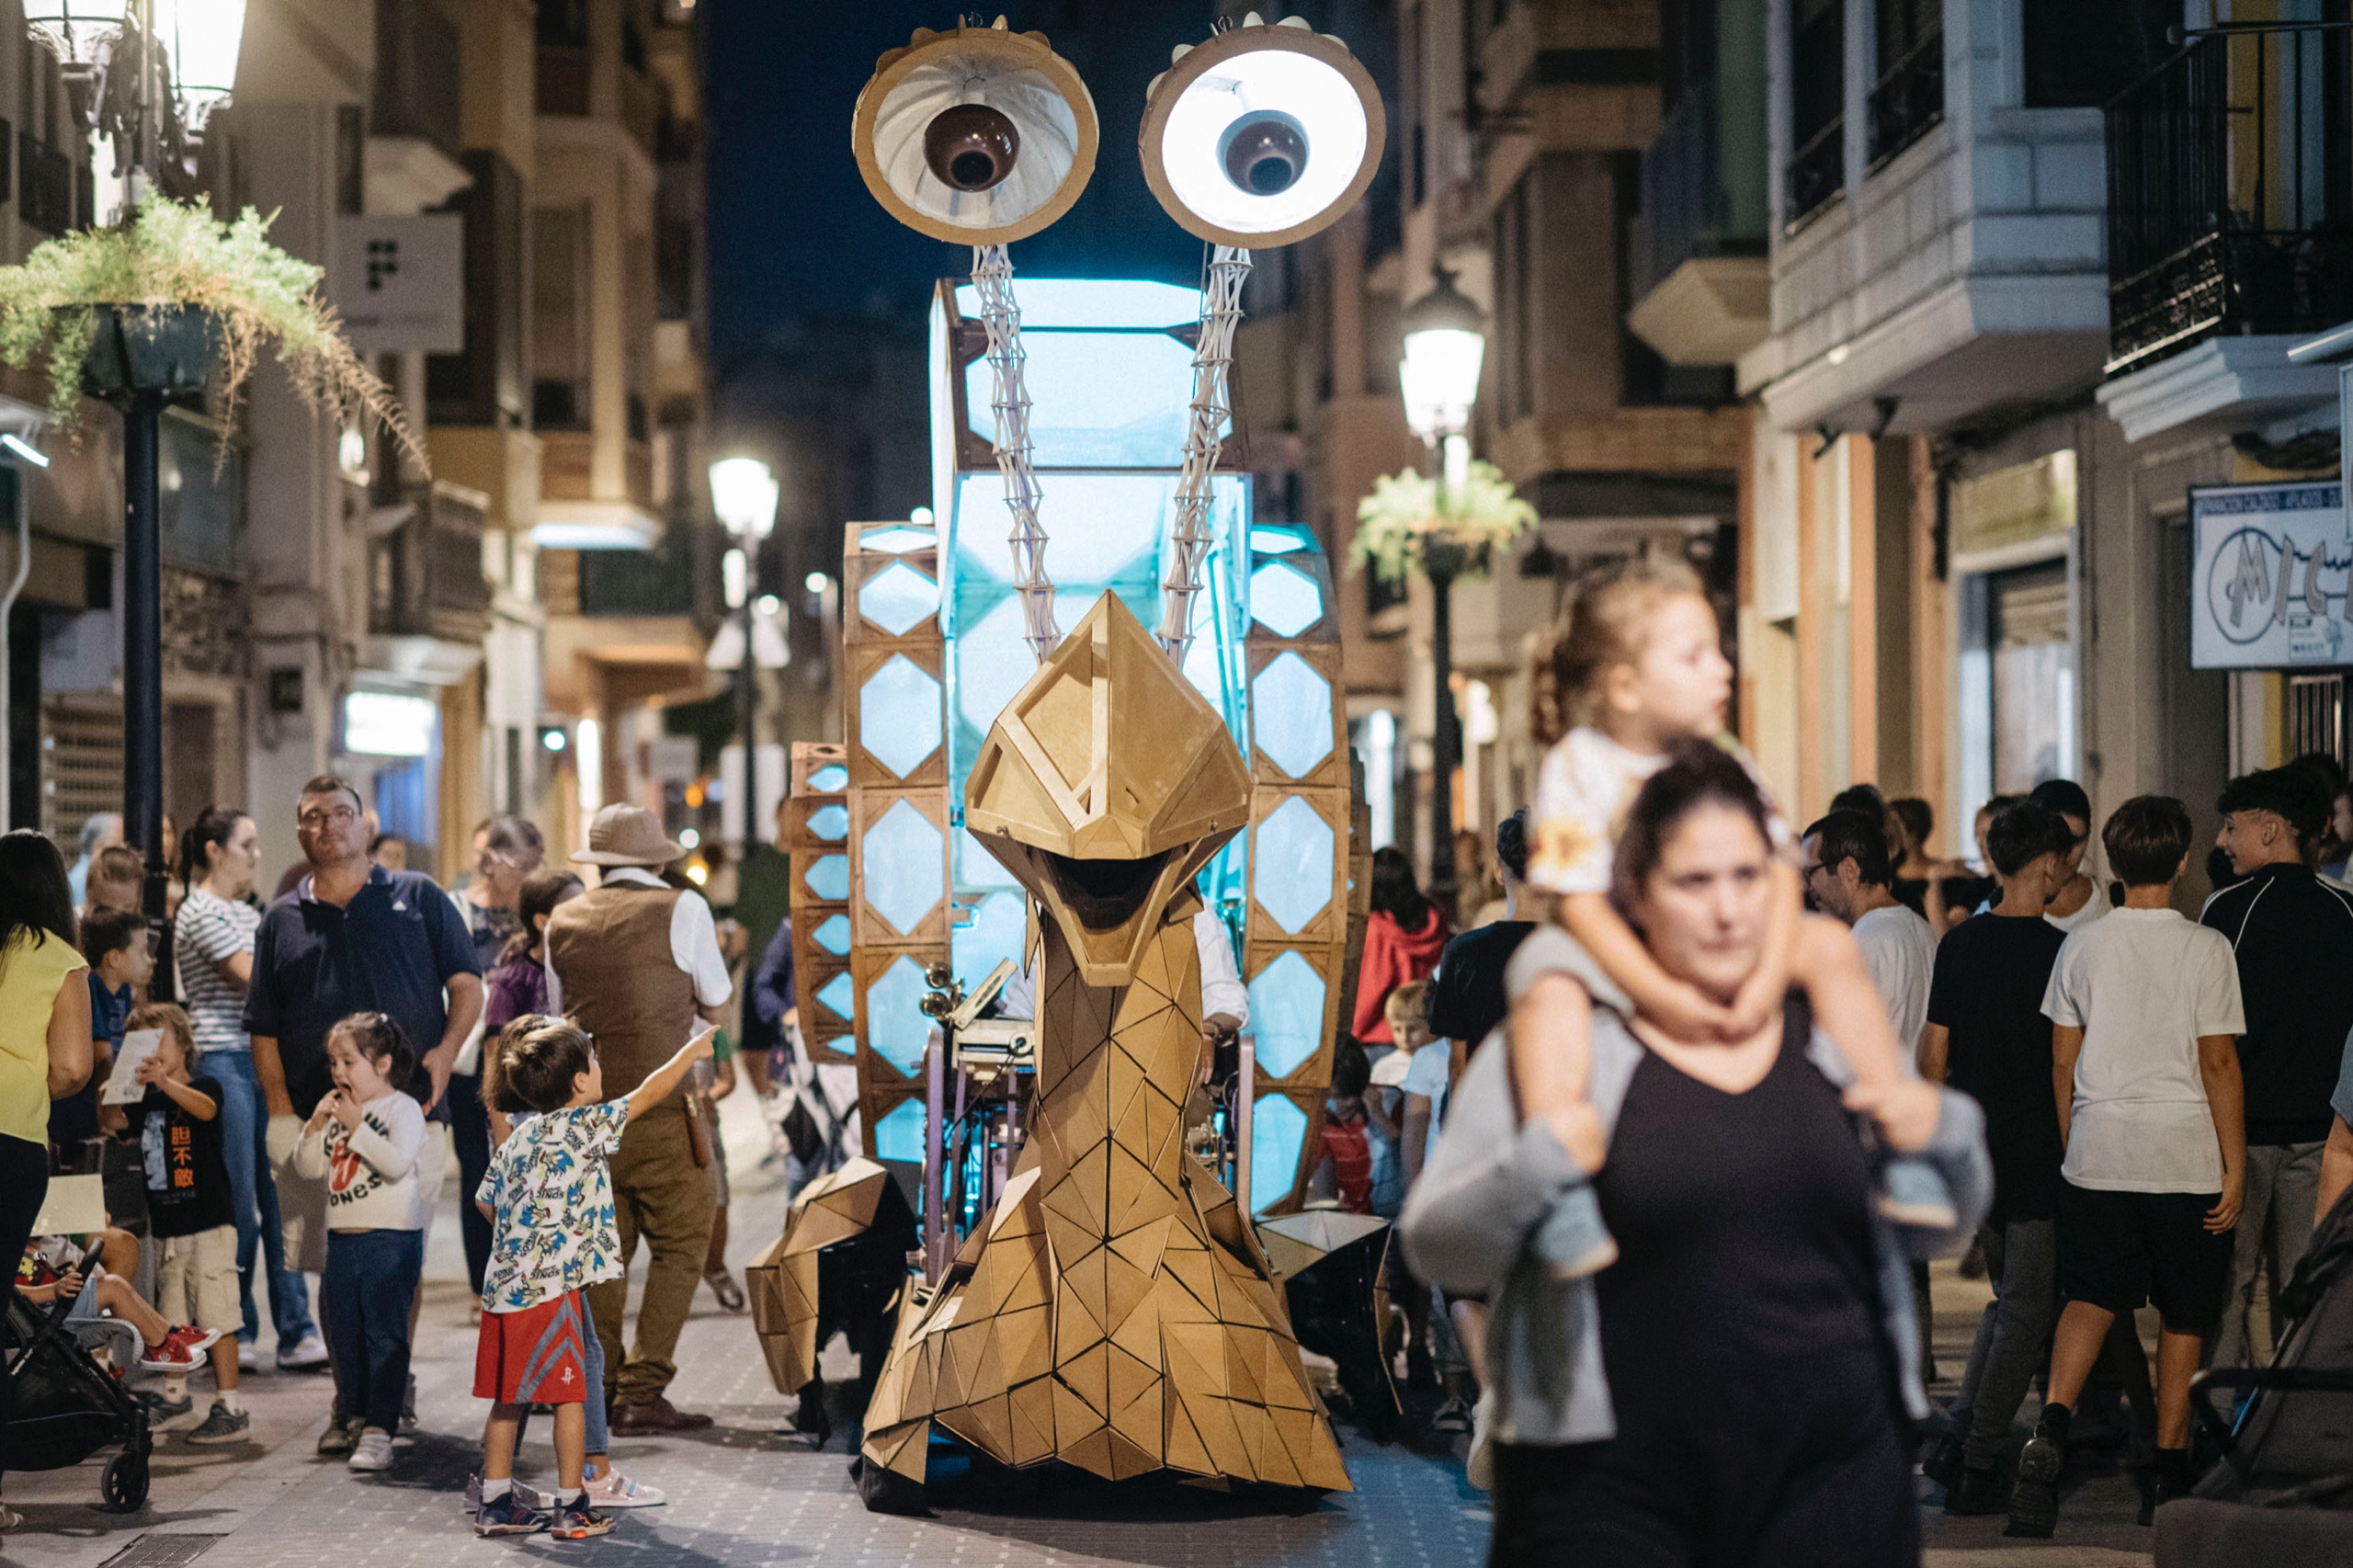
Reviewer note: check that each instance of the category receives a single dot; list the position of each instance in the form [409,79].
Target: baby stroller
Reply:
[2283,1495]
[67,1406]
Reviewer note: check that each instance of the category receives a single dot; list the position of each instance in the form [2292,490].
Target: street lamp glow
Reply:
[1445,344]
[769,603]
[817,581]
[744,493]
[734,578]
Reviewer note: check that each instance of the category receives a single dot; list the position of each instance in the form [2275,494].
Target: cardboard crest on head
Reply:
[976,136]
[1104,786]
[1262,136]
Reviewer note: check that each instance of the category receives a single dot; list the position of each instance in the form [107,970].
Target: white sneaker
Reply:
[374,1451]
[248,1355]
[305,1353]
[1479,1465]
[613,1490]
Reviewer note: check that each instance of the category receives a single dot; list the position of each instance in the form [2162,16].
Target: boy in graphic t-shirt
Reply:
[189,1211]
[2145,1008]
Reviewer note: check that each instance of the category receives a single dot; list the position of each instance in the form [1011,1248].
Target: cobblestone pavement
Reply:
[746,1493]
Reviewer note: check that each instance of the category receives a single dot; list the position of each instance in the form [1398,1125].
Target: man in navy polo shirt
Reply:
[353,937]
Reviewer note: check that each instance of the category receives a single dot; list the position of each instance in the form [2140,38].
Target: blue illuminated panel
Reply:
[898,597]
[1286,1014]
[830,822]
[1285,602]
[1291,877]
[903,860]
[896,1026]
[899,1135]
[898,714]
[830,779]
[1277,1130]
[1290,713]
[832,935]
[839,997]
[828,877]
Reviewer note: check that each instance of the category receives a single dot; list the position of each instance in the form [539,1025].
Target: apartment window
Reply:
[1817,170]
[563,24]
[1512,348]
[1908,86]
[2316,715]
[559,337]
[2080,53]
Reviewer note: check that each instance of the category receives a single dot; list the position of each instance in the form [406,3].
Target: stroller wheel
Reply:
[124,1484]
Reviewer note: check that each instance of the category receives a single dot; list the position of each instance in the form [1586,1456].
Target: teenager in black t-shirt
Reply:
[1987,1036]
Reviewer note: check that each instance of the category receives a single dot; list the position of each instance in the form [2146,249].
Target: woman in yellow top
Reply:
[44,1046]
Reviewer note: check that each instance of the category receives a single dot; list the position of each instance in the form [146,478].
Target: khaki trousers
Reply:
[662,1195]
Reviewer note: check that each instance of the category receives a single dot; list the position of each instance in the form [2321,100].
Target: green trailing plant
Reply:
[1405,511]
[175,252]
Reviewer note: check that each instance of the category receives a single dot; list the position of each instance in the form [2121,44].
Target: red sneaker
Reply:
[182,1348]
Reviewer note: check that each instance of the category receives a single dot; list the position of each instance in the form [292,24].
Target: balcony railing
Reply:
[677,577]
[2229,202]
[425,571]
[1689,206]
[1816,176]
[1909,99]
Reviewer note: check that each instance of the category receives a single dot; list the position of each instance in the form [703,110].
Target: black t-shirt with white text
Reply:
[187,1180]
[1991,971]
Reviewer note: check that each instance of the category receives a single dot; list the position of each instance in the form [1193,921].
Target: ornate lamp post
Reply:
[744,493]
[154,69]
[1446,342]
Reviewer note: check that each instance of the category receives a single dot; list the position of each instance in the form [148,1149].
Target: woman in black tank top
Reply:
[1758,1414]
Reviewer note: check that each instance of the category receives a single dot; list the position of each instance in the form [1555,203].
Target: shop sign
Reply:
[400,282]
[2271,564]
[2014,506]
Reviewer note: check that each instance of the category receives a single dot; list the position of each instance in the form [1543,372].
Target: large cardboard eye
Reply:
[976,135]
[1265,152]
[1263,135]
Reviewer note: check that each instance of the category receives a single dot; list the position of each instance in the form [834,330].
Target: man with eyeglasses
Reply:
[353,937]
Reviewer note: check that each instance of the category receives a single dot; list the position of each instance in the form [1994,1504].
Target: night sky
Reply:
[793,232]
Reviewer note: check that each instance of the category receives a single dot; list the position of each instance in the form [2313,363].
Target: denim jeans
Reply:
[470,1131]
[245,1148]
[370,1282]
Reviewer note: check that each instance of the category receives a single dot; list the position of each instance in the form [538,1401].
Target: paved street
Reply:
[746,1494]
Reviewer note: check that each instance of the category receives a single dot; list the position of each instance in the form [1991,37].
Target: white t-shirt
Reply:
[1899,951]
[2143,984]
[370,1169]
[2094,907]
[1584,789]
[1428,1076]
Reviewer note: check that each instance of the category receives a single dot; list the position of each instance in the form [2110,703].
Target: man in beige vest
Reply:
[634,962]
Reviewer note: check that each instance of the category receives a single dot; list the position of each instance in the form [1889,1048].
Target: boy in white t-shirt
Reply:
[2145,1008]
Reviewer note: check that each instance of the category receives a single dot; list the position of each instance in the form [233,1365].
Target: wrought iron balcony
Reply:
[2229,195]
[425,566]
[1908,99]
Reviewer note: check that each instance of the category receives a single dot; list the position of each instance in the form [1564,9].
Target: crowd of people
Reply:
[1669,1129]
[299,1076]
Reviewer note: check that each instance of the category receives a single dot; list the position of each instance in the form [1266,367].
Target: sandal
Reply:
[10,1519]
[729,1294]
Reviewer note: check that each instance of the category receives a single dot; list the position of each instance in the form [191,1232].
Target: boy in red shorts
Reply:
[548,1197]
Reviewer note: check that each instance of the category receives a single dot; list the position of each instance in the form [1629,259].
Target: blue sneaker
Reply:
[1911,1192]
[508,1516]
[1573,1240]
[576,1520]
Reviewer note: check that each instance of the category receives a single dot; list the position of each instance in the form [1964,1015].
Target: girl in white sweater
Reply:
[364,1140]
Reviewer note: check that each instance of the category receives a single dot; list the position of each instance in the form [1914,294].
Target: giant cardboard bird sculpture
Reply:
[1114,1310]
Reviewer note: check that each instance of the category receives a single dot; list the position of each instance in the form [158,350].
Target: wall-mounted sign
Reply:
[388,723]
[2271,565]
[2013,506]
[400,282]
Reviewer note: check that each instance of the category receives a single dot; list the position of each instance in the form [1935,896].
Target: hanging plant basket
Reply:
[1412,524]
[177,301]
[164,349]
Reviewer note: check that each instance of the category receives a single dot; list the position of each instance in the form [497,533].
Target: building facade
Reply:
[505,198]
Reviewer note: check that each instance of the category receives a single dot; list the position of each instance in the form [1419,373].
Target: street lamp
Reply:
[1446,343]
[744,493]
[149,101]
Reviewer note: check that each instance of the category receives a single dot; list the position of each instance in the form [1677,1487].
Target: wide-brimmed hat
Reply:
[628,835]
